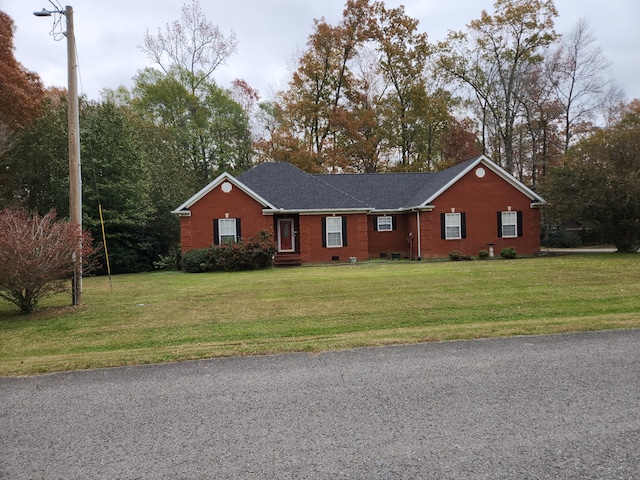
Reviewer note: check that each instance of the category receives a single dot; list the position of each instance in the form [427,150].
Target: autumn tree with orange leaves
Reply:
[21,91]
[358,100]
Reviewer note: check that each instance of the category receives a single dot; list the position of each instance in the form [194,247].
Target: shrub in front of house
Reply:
[509,253]
[252,253]
[260,250]
[194,261]
[482,254]
[457,256]
[562,238]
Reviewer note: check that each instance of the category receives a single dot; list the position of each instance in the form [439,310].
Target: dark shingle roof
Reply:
[290,188]
[380,190]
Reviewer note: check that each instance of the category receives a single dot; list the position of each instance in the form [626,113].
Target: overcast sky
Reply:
[269,32]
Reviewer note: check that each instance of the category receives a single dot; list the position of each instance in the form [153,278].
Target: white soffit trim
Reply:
[498,171]
[183,209]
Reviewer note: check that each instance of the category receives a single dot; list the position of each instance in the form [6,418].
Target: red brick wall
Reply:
[480,199]
[196,231]
[391,241]
[310,235]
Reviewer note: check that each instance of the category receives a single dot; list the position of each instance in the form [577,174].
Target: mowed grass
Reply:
[170,316]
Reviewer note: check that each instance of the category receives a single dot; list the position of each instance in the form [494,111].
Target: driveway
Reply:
[559,406]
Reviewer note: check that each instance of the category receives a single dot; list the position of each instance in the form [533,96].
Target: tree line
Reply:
[369,94]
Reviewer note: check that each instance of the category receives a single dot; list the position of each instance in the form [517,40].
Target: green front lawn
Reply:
[168,316]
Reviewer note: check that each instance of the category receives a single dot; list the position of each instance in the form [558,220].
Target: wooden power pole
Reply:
[75,177]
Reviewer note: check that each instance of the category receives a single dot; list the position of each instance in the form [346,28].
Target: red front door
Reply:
[286,240]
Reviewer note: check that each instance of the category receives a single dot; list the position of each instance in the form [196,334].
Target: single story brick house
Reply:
[314,218]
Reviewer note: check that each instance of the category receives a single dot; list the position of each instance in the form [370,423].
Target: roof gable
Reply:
[184,208]
[456,172]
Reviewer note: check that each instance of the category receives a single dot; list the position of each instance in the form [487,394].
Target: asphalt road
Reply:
[560,406]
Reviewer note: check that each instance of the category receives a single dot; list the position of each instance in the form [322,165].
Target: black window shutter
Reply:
[499,224]
[238,230]
[216,236]
[443,229]
[375,224]
[463,225]
[394,223]
[519,223]
[344,231]
[324,232]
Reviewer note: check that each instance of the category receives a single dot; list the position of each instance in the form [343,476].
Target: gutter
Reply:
[282,211]
[182,213]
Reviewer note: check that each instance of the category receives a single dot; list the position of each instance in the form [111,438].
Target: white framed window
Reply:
[227,230]
[334,231]
[453,226]
[509,224]
[385,224]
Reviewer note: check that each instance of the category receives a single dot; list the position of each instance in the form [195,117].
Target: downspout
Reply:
[419,243]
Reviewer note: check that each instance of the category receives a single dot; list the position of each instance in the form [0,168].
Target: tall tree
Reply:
[540,143]
[21,91]
[116,177]
[358,101]
[599,182]
[21,95]
[493,58]
[210,129]
[314,109]
[581,83]
[208,125]
[408,112]
[36,169]
[191,49]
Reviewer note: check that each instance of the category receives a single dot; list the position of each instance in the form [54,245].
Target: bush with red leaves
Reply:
[37,256]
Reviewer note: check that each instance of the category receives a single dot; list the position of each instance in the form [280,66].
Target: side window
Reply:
[510,224]
[226,231]
[453,226]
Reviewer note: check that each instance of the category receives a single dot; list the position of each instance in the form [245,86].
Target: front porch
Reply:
[288,254]
[287,259]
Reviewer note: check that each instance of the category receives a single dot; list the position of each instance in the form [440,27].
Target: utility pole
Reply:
[75,177]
